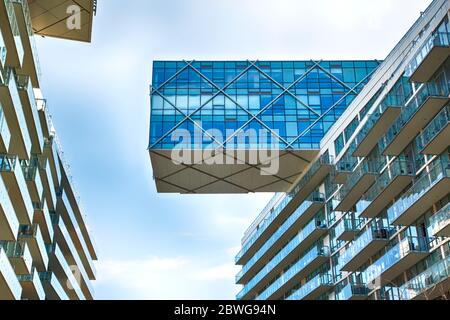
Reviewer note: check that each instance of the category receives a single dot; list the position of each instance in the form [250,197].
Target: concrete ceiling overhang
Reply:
[236,178]
[57,18]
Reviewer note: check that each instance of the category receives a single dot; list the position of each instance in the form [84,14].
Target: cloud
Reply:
[165,278]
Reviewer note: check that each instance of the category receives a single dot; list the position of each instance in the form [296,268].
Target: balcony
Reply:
[392,181]
[430,284]
[51,153]
[426,191]
[52,287]
[75,202]
[15,183]
[19,256]
[43,219]
[30,61]
[434,138]
[377,124]
[397,260]
[430,57]
[33,237]
[30,109]
[9,225]
[5,135]
[305,238]
[33,178]
[284,207]
[419,111]
[32,288]
[348,228]
[300,217]
[358,183]
[11,34]
[353,292]
[64,273]
[10,288]
[364,247]
[440,222]
[314,288]
[12,107]
[72,257]
[65,209]
[299,270]
[3,54]
[343,169]
[47,182]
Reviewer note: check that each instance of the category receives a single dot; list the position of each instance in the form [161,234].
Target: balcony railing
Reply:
[370,133]
[429,279]
[373,234]
[437,127]
[373,200]
[441,221]
[348,225]
[439,172]
[394,256]
[321,280]
[353,292]
[5,134]
[439,90]
[293,271]
[10,278]
[314,197]
[437,39]
[285,251]
[346,196]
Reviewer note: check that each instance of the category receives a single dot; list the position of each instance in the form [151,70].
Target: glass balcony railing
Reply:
[395,255]
[9,275]
[433,129]
[4,130]
[294,270]
[428,279]
[33,277]
[29,26]
[34,232]
[7,207]
[79,240]
[391,101]
[31,173]
[324,279]
[437,39]
[314,197]
[349,225]
[10,164]
[10,81]
[3,52]
[284,252]
[16,250]
[426,91]
[55,284]
[363,169]
[15,29]
[439,171]
[441,219]
[399,167]
[374,233]
[350,291]
[24,84]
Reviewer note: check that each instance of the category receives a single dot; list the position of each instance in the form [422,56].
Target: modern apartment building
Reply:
[46,251]
[362,209]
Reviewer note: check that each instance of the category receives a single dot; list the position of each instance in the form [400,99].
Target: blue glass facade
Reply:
[296,101]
